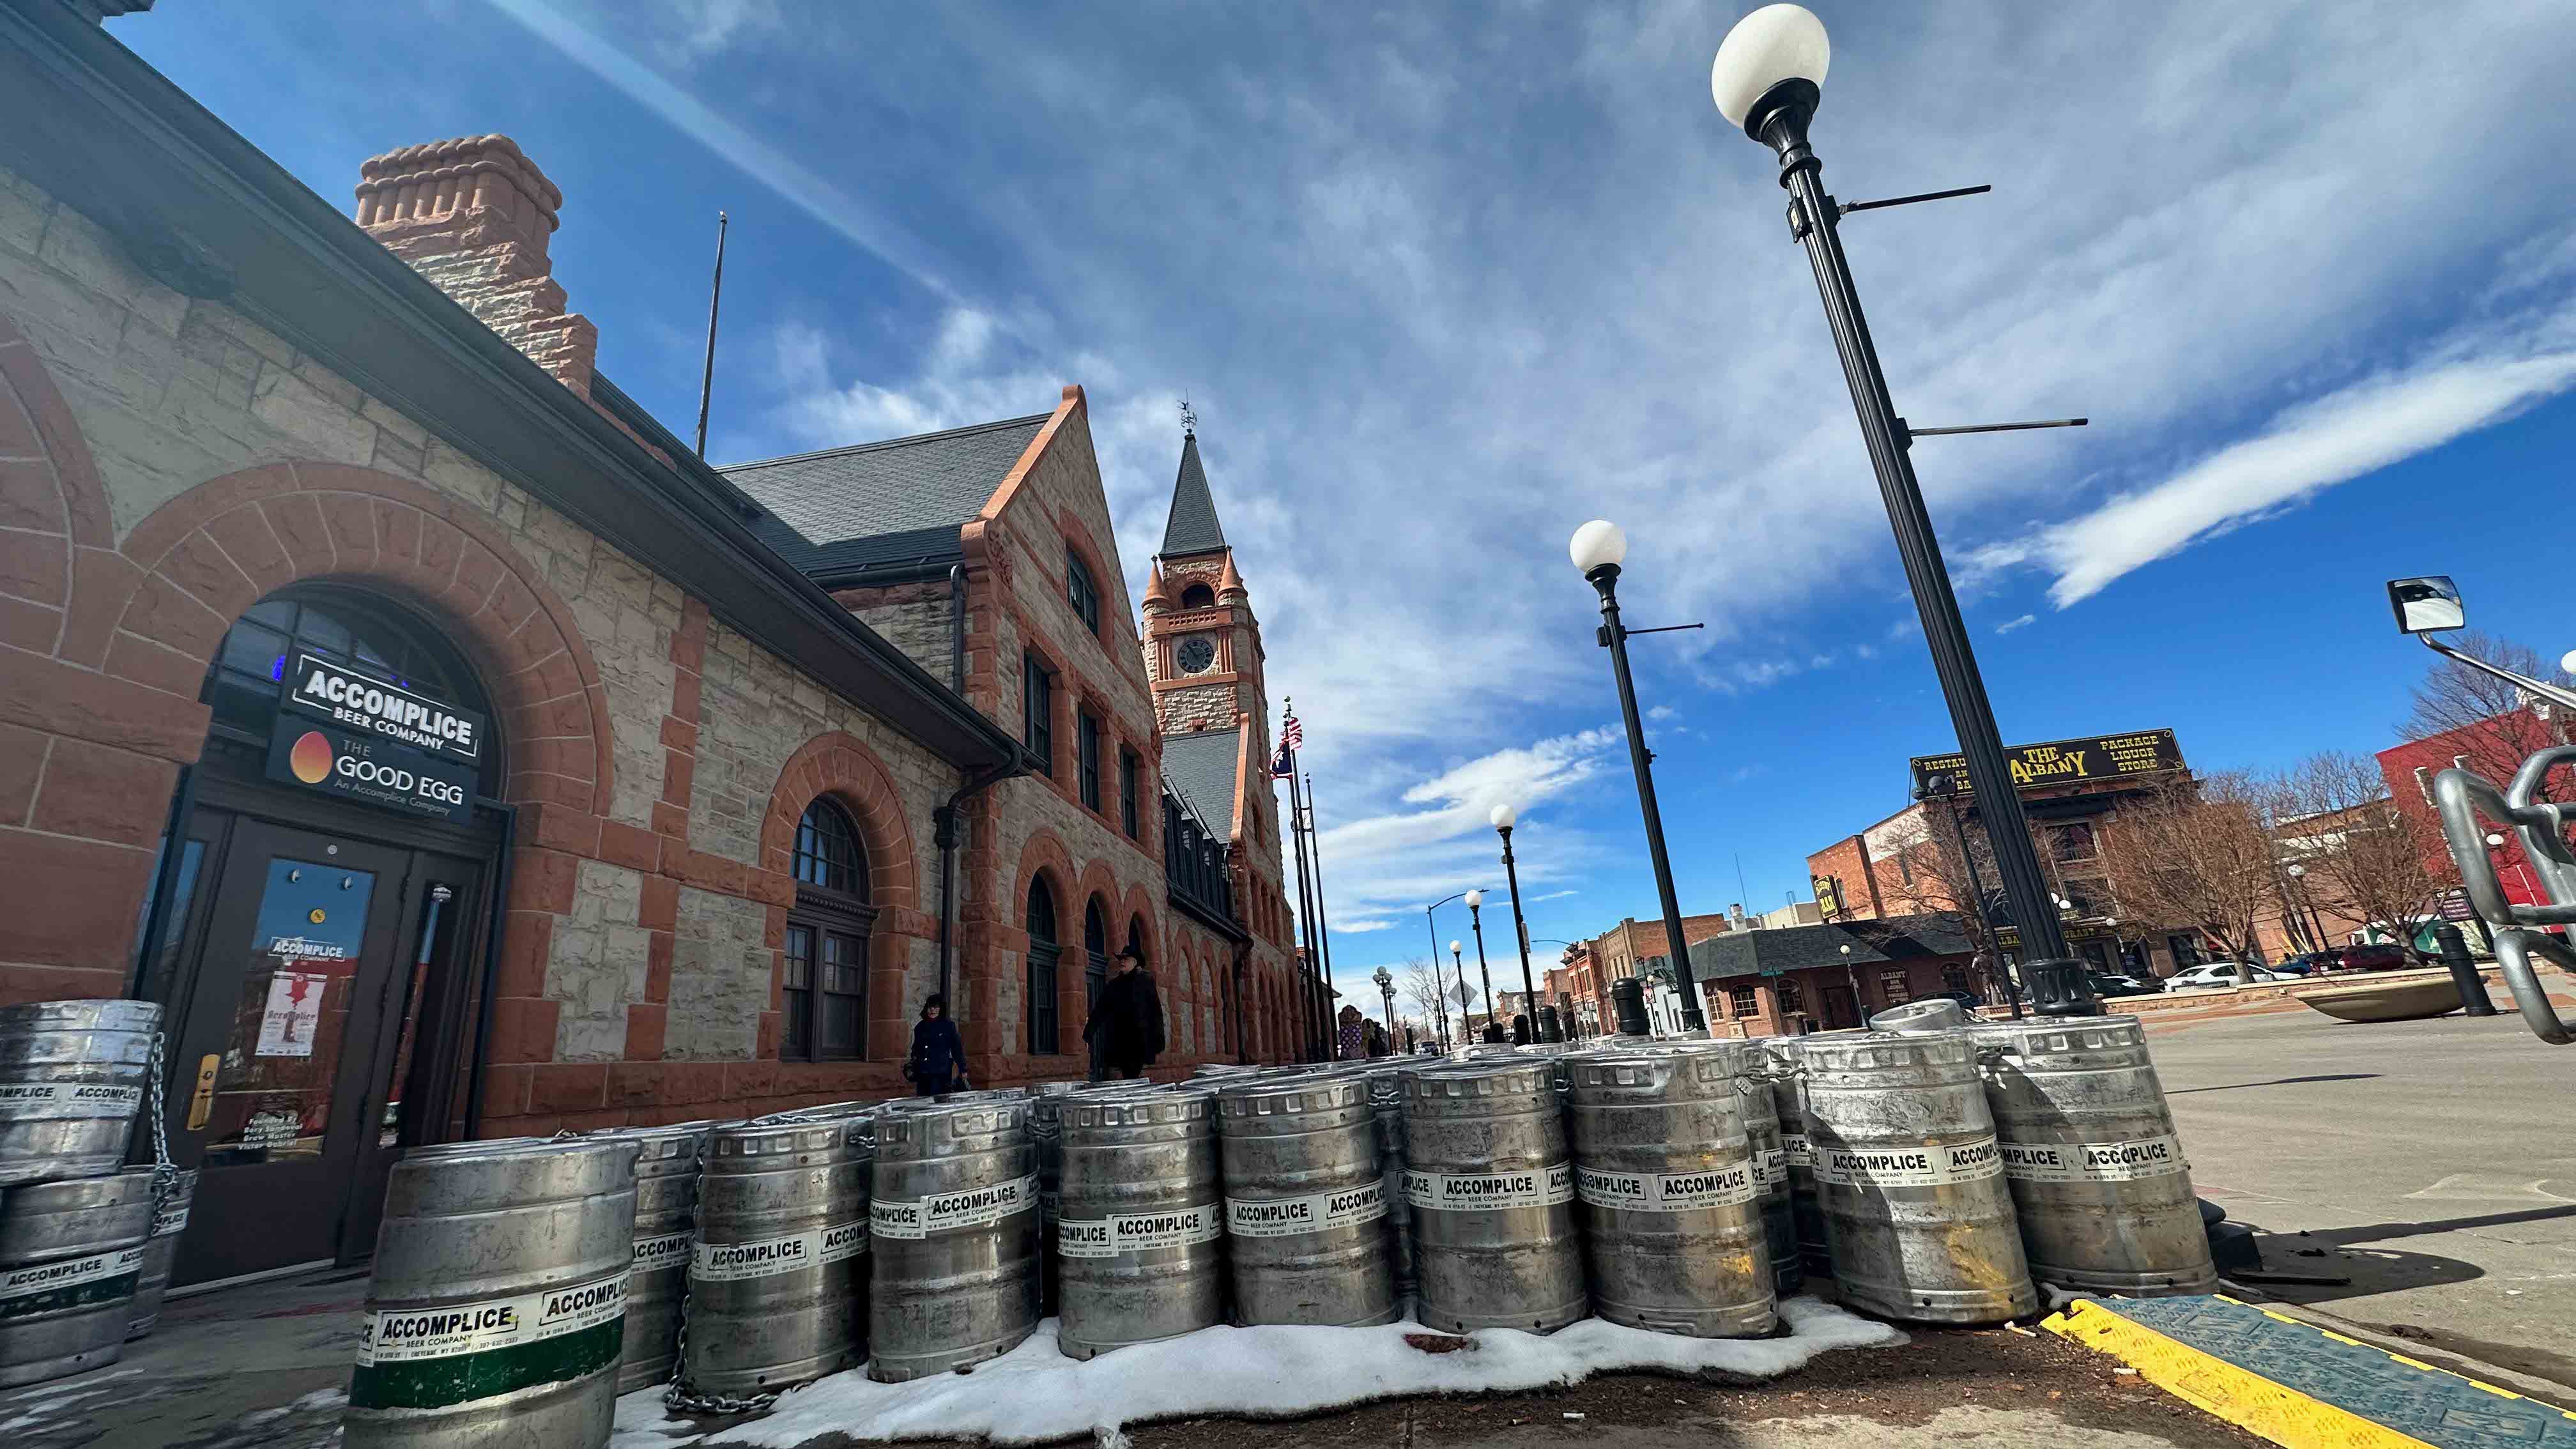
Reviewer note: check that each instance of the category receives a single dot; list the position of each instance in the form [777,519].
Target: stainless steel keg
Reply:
[71,1079]
[169,1220]
[498,1302]
[1752,1065]
[2090,1150]
[1670,1206]
[666,1202]
[1305,1202]
[71,1255]
[1911,1179]
[1141,1234]
[955,1228]
[1491,1186]
[1788,1099]
[778,1266]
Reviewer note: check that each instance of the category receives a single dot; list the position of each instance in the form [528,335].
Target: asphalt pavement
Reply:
[2433,1163]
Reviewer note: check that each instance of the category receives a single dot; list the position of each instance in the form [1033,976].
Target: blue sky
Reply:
[1444,282]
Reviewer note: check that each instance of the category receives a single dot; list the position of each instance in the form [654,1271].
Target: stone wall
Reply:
[916,618]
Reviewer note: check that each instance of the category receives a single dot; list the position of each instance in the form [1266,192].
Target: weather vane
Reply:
[1189,420]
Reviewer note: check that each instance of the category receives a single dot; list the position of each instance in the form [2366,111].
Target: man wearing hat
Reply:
[1126,1027]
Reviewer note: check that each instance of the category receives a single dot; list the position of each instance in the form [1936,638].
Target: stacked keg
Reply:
[1304,1199]
[1141,1225]
[955,1229]
[1789,1100]
[778,1270]
[666,1201]
[1910,1180]
[1491,1186]
[1386,1104]
[1751,1065]
[2089,1149]
[169,1220]
[1672,1212]
[75,1231]
[497,1305]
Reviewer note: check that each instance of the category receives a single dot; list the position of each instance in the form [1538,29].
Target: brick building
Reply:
[1788,980]
[1909,864]
[452,752]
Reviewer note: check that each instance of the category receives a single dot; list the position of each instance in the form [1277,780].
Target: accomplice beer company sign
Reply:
[2064,762]
[373,741]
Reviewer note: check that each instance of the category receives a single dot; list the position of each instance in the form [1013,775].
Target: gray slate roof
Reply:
[1794,948]
[1201,768]
[897,501]
[1192,527]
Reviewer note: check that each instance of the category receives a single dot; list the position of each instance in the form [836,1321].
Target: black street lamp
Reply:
[1504,818]
[1598,548]
[1476,921]
[1385,980]
[1946,790]
[1459,962]
[1443,993]
[1766,79]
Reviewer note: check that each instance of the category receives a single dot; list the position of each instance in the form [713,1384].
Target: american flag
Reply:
[1292,734]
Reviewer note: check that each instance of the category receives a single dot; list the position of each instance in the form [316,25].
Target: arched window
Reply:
[825,995]
[1136,943]
[1095,951]
[347,627]
[1042,961]
[1198,596]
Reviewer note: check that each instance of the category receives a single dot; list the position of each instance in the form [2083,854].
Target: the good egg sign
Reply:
[369,771]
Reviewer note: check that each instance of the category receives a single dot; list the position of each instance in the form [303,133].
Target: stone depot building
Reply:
[453,753]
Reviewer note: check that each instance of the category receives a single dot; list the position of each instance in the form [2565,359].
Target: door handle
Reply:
[201,1103]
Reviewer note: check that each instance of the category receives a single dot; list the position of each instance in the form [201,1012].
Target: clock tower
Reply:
[1202,643]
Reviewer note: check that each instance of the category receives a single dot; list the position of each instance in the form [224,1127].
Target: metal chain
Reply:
[165,1178]
[687,1400]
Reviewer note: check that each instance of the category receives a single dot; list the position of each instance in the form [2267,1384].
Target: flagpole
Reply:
[1323,923]
[1305,903]
[1319,1019]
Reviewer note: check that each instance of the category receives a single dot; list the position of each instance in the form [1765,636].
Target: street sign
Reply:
[2455,905]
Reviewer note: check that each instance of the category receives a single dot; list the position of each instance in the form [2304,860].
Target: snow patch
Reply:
[1034,1393]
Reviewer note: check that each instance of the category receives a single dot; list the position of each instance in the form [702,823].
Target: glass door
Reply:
[278,1045]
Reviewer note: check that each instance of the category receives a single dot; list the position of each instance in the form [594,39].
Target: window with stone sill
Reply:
[824,995]
[1037,711]
[1080,591]
[1086,755]
[1742,1001]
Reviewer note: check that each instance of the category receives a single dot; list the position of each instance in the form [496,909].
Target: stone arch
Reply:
[200,560]
[53,507]
[1043,857]
[841,766]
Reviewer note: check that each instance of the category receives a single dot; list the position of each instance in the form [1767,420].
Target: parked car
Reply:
[2115,983]
[2309,964]
[2217,973]
[2377,956]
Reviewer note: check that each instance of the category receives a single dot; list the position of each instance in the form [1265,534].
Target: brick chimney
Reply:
[474,215]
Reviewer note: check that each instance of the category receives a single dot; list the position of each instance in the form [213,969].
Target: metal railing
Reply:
[2464,798]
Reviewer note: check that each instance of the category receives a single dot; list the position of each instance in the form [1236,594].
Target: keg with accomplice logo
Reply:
[496,1312]
[1911,1179]
[71,1079]
[1491,1186]
[1141,1230]
[1667,1189]
[2090,1150]
[666,1201]
[169,1221]
[71,1255]
[1305,1201]
[953,1233]
[778,1271]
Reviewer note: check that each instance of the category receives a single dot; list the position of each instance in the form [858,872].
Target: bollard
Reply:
[2464,972]
[1628,1005]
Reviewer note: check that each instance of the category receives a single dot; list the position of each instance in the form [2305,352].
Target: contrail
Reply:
[801,186]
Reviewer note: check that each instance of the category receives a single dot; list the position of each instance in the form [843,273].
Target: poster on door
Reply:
[288,1026]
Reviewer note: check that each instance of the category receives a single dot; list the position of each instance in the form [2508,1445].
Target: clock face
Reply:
[1195,654]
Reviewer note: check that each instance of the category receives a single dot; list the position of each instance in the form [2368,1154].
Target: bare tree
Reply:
[1422,987]
[1935,876]
[2203,859]
[2363,856]
[2500,728]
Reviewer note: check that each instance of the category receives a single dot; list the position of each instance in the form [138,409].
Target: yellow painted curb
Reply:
[2239,1396]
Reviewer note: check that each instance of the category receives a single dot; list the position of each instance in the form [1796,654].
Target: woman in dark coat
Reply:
[938,1060]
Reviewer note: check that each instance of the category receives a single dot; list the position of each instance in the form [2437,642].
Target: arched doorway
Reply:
[824,993]
[1043,957]
[1095,970]
[318,922]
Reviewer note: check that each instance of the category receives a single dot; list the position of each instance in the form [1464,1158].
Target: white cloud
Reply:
[1356,928]
[2009,625]
[2360,428]
[1663,712]
[1554,896]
